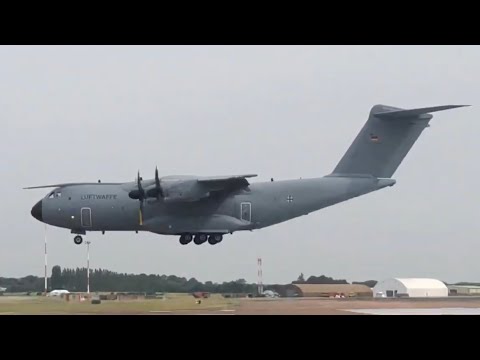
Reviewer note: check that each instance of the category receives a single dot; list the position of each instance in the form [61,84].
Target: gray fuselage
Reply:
[107,207]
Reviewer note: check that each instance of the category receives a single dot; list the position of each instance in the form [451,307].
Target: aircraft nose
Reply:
[37,211]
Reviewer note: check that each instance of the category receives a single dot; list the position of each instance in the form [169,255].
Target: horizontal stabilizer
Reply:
[394,113]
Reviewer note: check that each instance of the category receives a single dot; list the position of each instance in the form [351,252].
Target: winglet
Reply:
[395,113]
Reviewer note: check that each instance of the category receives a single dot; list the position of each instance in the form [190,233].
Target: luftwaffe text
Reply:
[98,197]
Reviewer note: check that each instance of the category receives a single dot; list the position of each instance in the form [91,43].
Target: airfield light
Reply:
[260,275]
[88,266]
[46,282]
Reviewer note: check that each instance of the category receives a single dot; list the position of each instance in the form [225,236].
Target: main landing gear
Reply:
[201,238]
[78,239]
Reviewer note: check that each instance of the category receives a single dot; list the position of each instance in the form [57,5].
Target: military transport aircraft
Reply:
[205,208]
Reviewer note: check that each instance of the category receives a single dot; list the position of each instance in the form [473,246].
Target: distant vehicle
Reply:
[201,295]
[2,289]
[270,294]
[58,292]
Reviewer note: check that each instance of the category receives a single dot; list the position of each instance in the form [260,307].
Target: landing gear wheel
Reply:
[77,240]
[200,239]
[185,239]
[214,239]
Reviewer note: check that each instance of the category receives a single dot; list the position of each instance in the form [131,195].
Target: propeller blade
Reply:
[139,193]
[140,188]
[157,184]
[140,213]
[155,192]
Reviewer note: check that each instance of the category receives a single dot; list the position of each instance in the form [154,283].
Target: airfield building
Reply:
[411,287]
[464,290]
[324,290]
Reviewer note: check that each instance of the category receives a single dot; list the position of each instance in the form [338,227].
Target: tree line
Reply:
[109,281]
[322,279]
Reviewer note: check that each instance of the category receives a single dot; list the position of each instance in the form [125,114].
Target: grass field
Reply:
[216,304]
[47,305]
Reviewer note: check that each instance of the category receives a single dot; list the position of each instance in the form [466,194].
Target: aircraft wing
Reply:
[226,180]
[68,184]
[197,188]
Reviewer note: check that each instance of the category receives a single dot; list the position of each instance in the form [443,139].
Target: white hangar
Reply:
[412,287]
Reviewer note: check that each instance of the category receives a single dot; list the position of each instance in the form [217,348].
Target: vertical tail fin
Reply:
[385,139]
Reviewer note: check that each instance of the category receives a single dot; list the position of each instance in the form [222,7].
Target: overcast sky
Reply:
[81,113]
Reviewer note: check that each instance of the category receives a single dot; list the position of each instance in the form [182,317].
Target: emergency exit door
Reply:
[86,217]
[246,211]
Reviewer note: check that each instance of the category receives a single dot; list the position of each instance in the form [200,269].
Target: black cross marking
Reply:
[289,198]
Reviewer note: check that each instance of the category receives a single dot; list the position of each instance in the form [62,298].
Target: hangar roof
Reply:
[421,283]
[316,289]
[465,286]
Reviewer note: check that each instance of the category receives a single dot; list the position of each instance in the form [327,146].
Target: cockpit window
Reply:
[55,194]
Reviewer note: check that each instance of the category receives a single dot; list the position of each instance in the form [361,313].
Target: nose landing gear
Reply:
[78,239]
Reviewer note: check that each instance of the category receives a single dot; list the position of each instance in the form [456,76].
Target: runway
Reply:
[369,306]
[194,312]
[407,311]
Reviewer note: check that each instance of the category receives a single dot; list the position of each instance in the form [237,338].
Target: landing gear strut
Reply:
[78,239]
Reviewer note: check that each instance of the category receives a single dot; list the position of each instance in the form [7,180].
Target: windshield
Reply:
[55,194]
